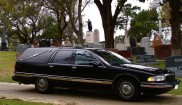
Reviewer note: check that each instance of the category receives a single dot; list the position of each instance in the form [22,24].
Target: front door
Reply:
[87,68]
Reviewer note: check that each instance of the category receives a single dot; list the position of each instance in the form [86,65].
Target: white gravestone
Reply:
[120,46]
[145,42]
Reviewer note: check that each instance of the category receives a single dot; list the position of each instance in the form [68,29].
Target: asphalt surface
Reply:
[79,97]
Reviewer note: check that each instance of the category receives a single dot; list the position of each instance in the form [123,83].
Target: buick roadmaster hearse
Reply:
[86,68]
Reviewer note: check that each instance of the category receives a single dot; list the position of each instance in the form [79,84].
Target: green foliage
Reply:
[128,11]
[18,102]
[7,61]
[119,38]
[165,13]
[143,23]
[50,26]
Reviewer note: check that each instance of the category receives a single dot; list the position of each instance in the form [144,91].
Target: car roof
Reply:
[77,47]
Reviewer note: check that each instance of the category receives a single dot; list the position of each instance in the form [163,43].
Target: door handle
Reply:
[51,66]
[73,68]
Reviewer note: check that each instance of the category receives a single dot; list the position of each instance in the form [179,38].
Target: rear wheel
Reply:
[128,89]
[43,85]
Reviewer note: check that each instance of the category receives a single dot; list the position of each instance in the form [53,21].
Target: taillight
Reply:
[14,67]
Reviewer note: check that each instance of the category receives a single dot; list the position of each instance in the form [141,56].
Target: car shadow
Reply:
[106,95]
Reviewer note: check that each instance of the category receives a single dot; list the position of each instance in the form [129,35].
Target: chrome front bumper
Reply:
[161,85]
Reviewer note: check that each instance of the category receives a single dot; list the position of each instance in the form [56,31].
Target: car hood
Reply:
[141,67]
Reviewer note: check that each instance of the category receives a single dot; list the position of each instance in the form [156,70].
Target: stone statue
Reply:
[89,25]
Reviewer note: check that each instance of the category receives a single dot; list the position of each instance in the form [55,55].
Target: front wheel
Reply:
[43,85]
[128,89]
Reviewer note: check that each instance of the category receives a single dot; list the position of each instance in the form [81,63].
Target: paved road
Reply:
[67,97]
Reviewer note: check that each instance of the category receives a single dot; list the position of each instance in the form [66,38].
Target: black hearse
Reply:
[90,67]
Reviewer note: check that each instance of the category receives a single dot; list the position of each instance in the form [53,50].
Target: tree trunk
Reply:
[108,32]
[80,36]
[109,21]
[176,40]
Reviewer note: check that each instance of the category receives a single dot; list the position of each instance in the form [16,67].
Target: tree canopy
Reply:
[143,23]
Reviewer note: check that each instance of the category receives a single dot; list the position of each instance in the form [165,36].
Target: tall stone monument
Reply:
[89,34]
[4,41]
[96,37]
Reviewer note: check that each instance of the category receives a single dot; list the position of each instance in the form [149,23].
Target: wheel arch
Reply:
[121,76]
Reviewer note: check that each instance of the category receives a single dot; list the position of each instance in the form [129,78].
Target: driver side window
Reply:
[84,58]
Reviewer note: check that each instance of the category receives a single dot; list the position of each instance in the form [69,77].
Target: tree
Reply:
[128,11]
[175,21]
[143,23]
[109,20]
[23,16]
[75,9]
[59,9]
[50,27]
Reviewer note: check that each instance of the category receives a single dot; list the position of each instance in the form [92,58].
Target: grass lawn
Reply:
[18,102]
[7,61]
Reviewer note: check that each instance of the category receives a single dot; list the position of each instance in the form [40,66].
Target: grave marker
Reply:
[174,64]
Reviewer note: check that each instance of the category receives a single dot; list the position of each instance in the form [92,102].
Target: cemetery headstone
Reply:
[44,43]
[145,58]
[91,45]
[120,46]
[162,51]
[125,53]
[157,41]
[174,64]
[145,42]
[133,42]
[137,50]
[67,42]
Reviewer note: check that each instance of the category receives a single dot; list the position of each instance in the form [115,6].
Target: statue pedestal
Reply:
[89,37]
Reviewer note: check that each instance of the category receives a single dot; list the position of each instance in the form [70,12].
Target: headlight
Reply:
[156,78]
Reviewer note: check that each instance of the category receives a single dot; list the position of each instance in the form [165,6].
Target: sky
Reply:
[91,12]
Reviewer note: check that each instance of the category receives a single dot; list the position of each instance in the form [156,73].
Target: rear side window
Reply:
[63,57]
[39,55]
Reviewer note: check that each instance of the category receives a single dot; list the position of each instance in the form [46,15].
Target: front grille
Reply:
[170,78]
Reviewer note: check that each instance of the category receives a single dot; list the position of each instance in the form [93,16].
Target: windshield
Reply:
[112,58]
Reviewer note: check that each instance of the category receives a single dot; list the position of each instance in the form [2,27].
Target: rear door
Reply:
[61,65]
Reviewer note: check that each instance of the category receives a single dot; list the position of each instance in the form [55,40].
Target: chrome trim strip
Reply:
[65,78]
[156,86]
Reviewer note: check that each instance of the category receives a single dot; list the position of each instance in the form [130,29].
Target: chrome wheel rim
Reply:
[126,89]
[42,83]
